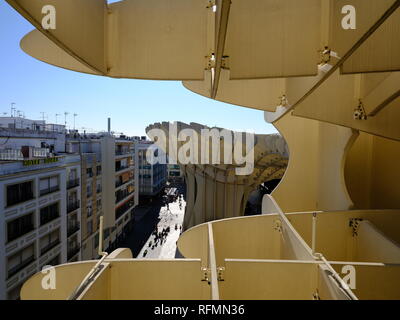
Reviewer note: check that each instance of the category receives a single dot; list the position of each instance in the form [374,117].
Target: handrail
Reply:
[213,264]
[92,273]
[317,256]
[341,283]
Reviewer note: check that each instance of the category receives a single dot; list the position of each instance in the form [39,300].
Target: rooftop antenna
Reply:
[57,114]
[75,115]
[65,118]
[12,109]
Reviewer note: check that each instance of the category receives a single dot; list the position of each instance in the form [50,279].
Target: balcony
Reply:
[72,252]
[72,228]
[124,208]
[72,183]
[72,206]
[119,183]
[121,195]
[49,246]
[122,152]
[21,266]
[49,190]
[118,169]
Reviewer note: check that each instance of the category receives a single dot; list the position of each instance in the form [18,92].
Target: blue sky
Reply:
[36,87]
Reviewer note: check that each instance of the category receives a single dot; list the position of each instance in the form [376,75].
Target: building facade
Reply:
[175,174]
[152,177]
[37,225]
[54,187]
[109,188]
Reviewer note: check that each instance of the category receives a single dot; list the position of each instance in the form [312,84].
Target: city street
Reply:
[157,228]
[162,242]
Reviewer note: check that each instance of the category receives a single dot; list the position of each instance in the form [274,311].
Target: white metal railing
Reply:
[11,154]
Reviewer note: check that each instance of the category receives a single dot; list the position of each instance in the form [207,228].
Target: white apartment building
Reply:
[53,189]
[39,201]
[37,226]
[109,188]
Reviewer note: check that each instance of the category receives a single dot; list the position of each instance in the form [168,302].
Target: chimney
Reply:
[109,125]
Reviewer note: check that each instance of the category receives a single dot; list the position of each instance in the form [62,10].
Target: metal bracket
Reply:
[225,62]
[221,273]
[316,295]
[359,112]
[283,101]
[205,274]
[211,3]
[278,225]
[210,61]
[355,223]
[325,55]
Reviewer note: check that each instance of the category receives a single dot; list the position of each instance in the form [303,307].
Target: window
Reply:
[89,210]
[73,174]
[89,172]
[49,213]
[53,262]
[98,187]
[88,191]
[49,185]
[20,192]
[90,227]
[14,294]
[72,225]
[73,248]
[73,179]
[96,241]
[49,241]
[19,227]
[73,202]
[20,260]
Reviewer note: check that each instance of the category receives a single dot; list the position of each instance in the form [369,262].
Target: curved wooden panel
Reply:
[273,38]
[79,28]
[337,98]
[262,94]
[155,39]
[381,52]
[37,45]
